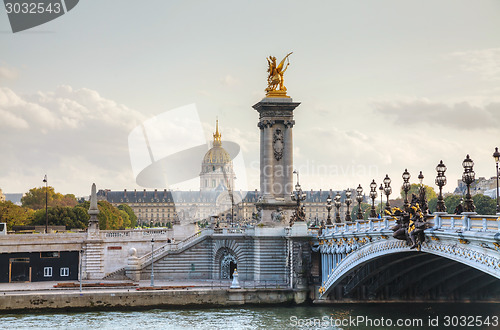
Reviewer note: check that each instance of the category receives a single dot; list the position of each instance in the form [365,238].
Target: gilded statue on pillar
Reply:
[275,82]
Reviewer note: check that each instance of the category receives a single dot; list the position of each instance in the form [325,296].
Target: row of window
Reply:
[63,271]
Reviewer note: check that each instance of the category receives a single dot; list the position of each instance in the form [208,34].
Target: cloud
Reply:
[461,115]
[67,132]
[485,62]
[7,73]
[229,81]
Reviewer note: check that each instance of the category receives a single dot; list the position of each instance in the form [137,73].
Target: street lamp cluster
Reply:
[440,182]
[468,178]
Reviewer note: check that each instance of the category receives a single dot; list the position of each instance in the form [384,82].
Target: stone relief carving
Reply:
[278,144]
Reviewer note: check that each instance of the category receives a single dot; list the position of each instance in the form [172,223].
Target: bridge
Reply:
[459,260]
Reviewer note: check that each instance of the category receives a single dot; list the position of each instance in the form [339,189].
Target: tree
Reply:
[451,202]
[35,198]
[415,189]
[365,208]
[109,216]
[60,216]
[484,204]
[131,215]
[433,205]
[14,215]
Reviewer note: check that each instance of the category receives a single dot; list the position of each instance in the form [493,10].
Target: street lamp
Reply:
[468,177]
[387,191]
[359,198]
[496,156]
[406,187]
[440,182]
[46,204]
[298,195]
[152,262]
[338,204]
[373,195]
[381,188]
[348,202]
[329,208]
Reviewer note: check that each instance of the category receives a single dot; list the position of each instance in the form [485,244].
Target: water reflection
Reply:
[269,317]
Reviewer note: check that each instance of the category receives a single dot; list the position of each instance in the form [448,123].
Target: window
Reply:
[49,255]
[47,272]
[64,271]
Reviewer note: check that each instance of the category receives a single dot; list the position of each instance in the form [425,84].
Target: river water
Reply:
[351,316]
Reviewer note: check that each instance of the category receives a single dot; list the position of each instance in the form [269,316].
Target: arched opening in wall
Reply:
[232,268]
[228,264]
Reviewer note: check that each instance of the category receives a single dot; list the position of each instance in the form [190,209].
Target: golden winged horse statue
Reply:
[275,86]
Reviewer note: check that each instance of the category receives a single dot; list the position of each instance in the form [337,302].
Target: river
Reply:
[351,316]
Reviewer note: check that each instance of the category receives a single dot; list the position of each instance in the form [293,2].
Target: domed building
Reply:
[217,167]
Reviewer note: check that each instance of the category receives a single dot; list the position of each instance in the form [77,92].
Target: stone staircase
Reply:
[93,260]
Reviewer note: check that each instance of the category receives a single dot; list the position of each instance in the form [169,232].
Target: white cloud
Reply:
[461,115]
[229,81]
[7,73]
[485,62]
[74,134]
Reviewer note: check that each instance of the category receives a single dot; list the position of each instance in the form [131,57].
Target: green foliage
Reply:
[14,215]
[432,205]
[35,198]
[125,217]
[365,208]
[484,204]
[451,203]
[415,189]
[60,216]
[132,223]
[109,216]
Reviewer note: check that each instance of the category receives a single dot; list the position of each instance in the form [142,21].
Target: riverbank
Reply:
[43,296]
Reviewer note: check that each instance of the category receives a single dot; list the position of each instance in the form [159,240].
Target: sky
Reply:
[383,85]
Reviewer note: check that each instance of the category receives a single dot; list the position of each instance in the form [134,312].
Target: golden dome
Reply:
[217,155]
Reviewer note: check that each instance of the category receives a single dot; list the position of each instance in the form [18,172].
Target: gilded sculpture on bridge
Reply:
[275,81]
[410,224]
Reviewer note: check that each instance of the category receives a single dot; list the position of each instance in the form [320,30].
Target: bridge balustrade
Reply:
[473,233]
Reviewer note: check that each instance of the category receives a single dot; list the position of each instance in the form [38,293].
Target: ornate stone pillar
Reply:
[276,157]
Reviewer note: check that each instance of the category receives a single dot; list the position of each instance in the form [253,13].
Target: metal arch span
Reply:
[470,257]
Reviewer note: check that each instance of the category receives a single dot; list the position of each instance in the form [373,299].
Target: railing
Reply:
[226,231]
[174,246]
[137,233]
[465,222]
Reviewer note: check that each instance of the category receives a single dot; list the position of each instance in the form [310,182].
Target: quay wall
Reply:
[107,300]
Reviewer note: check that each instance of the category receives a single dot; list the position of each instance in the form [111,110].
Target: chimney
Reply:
[144,193]
[125,193]
[135,192]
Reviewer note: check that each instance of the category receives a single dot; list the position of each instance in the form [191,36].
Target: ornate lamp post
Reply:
[152,262]
[348,202]
[359,198]
[338,204]
[387,191]
[496,156]
[406,187]
[298,195]
[329,208]
[440,182]
[373,195]
[422,198]
[381,188]
[468,177]
[46,204]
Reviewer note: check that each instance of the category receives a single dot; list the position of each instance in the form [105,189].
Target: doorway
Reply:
[19,270]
